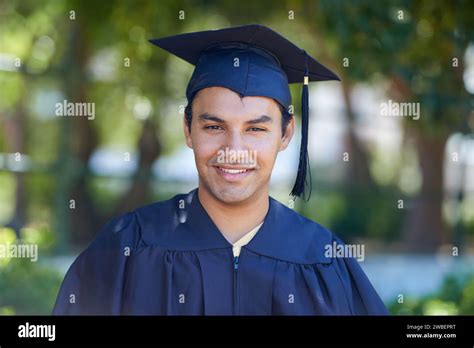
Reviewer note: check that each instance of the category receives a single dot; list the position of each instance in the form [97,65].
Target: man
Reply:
[226,247]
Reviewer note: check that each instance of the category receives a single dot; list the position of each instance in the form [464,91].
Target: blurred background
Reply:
[402,185]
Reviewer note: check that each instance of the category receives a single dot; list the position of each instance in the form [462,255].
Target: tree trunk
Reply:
[14,133]
[424,230]
[77,221]
[148,150]
[358,173]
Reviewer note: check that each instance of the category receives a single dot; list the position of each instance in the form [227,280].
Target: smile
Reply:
[234,175]
[233,171]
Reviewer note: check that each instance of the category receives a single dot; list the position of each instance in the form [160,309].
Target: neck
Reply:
[237,219]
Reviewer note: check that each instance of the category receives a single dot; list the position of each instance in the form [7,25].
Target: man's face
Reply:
[235,142]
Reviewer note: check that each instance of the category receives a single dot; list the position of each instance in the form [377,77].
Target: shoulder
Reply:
[288,235]
[297,224]
[157,220]
[309,228]
[131,227]
[159,213]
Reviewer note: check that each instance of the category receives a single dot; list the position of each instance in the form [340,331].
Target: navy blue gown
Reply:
[169,258]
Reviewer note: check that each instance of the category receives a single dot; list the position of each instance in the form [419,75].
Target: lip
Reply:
[233,174]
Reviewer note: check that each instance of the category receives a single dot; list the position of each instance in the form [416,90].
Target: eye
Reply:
[213,127]
[256,129]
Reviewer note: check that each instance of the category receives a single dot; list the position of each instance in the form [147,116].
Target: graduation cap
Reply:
[251,60]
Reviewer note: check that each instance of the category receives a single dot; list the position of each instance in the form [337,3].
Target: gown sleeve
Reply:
[94,283]
[360,293]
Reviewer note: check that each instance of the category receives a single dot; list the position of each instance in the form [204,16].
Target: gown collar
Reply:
[284,235]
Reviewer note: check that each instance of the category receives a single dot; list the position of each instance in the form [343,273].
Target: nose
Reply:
[235,141]
[234,144]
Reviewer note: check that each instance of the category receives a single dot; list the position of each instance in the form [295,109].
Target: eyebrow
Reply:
[208,117]
[261,119]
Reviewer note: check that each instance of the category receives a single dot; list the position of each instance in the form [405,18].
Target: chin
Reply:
[231,195]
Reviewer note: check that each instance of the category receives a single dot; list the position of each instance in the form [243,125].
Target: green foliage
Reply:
[467,300]
[39,235]
[352,212]
[27,288]
[410,43]
[455,297]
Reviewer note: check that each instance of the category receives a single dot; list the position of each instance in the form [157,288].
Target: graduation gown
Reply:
[169,258]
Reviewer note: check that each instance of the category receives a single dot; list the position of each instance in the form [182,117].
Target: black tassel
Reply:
[299,189]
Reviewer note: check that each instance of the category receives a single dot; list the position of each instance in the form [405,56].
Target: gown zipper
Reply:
[236,268]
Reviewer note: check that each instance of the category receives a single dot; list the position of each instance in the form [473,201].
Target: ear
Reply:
[187,133]
[290,128]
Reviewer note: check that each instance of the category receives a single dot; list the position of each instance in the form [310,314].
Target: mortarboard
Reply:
[251,60]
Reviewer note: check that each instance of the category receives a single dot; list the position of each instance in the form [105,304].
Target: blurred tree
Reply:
[412,45]
[14,132]
[412,49]
[97,27]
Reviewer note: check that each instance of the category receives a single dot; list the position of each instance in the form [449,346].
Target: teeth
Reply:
[233,171]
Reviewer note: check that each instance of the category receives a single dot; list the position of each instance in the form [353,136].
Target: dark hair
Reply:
[285,116]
